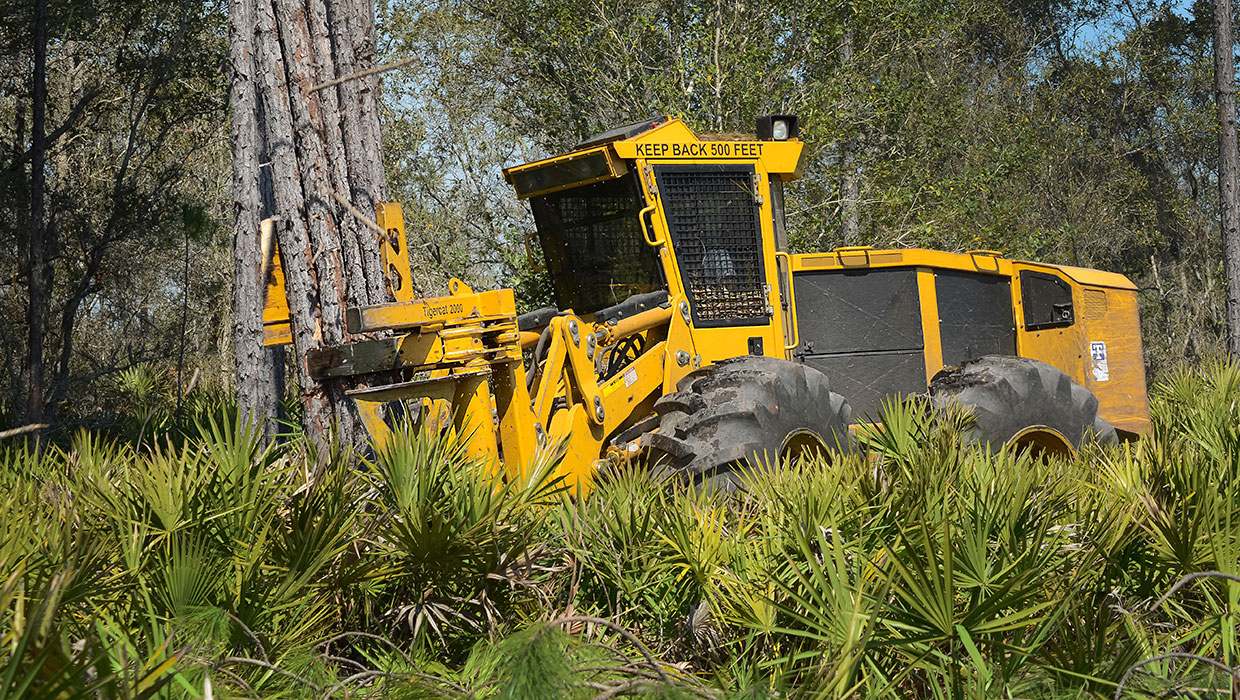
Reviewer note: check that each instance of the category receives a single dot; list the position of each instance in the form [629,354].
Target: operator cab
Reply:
[602,234]
[586,206]
[650,208]
[593,244]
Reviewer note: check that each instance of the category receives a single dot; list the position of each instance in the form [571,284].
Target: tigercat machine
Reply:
[686,335]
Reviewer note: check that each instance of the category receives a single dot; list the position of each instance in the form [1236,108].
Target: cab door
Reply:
[863,329]
[715,218]
[1047,324]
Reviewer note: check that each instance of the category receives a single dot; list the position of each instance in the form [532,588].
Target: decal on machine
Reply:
[706,149]
[613,385]
[444,309]
[1098,354]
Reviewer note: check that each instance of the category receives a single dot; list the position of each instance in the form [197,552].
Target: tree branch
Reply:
[68,123]
[357,213]
[363,73]
[13,432]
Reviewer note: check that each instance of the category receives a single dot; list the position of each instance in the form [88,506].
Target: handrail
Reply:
[978,256]
[850,250]
[792,302]
[641,217]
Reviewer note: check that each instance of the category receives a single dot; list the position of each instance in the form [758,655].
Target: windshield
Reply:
[596,253]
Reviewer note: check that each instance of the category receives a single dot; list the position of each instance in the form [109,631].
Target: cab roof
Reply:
[664,140]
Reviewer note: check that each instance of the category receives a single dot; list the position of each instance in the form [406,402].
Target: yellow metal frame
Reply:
[276,328]
[394,249]
[672,143]
[465,350]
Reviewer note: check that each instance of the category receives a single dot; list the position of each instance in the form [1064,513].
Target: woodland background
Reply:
[1073,132]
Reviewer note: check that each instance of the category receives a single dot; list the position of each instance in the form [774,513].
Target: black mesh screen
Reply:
[862,328]
[866,379]
[975,315]
[593,244]
[843,311]
[713,220]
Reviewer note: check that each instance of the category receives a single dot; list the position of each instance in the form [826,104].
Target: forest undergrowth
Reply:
[199,563]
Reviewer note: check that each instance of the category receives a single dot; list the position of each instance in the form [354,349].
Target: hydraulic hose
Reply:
[539,349]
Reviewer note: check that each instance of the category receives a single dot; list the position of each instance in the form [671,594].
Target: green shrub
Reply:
[918,567]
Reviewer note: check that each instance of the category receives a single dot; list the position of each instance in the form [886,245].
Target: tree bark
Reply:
[850,187]
[1229,208]
[256,393]
[321,143]
[291,228]
[37,263]
[352,27]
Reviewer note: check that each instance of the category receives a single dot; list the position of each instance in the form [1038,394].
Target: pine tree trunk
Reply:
[1225,98]
[353,139]
[850,192]
[850,187]
[38,268]
[256,392]
[321,144]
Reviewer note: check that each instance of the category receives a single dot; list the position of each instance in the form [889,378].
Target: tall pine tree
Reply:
[305,122]
[1229,207]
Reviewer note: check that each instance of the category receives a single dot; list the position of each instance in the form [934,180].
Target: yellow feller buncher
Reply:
[686,337]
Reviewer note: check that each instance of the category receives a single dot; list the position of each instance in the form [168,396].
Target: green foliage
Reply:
[144,403]
[453,544]
[919,567]
[136,196]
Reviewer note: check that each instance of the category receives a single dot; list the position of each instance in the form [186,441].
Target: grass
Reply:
[178,564]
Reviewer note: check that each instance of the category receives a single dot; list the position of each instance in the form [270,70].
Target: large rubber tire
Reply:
[1015,397]
[743,411]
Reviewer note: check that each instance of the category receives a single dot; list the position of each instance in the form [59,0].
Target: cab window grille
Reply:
[595,251]
[712,216]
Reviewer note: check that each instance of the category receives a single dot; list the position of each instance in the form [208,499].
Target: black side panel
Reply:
[975,315]
[865,379]
[862,328]
[858,311]
[712,216]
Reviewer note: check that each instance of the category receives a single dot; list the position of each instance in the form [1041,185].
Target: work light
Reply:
[777,127]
